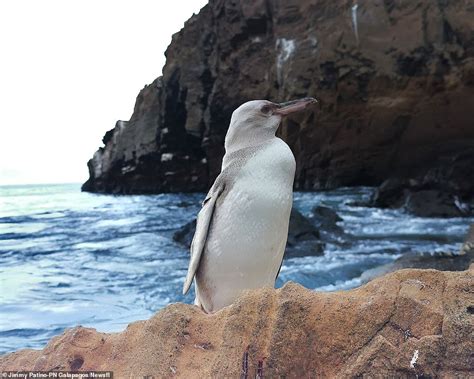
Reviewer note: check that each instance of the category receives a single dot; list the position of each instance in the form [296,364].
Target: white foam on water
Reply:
[119,222]
[340,285]
[16,228]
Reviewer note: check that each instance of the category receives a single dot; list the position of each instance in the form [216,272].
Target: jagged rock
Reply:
[325,215]
[396,101]
[432,203]
[391,193]
[303,237]
[185,234]
[326,219]
[412,323]
[415,197]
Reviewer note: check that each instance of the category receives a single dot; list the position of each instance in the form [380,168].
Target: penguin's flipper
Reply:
[200,235]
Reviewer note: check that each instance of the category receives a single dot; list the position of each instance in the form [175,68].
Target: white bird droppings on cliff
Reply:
[313,41]
[286,49]
[414,359]
[166,157]
[355,24]
[121,124]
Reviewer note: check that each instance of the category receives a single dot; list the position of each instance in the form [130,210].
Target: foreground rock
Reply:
[412,323]
[396,101]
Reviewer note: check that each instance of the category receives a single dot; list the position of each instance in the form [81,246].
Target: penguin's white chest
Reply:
[264,189]
[250,226]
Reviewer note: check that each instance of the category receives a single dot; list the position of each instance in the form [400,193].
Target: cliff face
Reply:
[412,323]
[395,80]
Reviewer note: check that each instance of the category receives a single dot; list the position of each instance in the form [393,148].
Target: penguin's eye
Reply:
[267,110]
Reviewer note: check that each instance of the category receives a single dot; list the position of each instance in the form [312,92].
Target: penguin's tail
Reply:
[197,300]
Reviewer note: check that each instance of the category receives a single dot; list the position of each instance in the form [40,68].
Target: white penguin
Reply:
[242,228]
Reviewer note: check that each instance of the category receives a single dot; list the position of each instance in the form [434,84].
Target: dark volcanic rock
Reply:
[303,237]
[325,215]
[432,203]
[391,193]
[397,102]
[326,219]
[143,156]
[422,199]
[185,234]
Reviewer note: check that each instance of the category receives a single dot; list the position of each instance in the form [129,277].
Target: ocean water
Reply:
[69,258]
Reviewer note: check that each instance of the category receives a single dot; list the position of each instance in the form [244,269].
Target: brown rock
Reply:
[377,330]
[398,102]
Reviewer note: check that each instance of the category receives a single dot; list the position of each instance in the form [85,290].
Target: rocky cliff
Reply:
[395,79]
[412,323]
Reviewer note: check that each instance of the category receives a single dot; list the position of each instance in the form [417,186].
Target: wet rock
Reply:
[396,101]
[411,323]
[422,198]
[300,227]
[303,237]
[325,218]
[185,234]
[454,175]
[432,203]
[391,193]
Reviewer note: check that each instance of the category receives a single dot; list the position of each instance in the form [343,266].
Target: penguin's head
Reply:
[256,121]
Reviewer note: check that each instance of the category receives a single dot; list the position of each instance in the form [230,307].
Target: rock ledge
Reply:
[408,323]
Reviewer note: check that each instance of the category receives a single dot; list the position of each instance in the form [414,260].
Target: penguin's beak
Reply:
[284,109]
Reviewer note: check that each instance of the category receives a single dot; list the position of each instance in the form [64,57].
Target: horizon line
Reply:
[38,184]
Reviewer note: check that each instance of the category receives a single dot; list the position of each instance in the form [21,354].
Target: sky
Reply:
[68,71]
